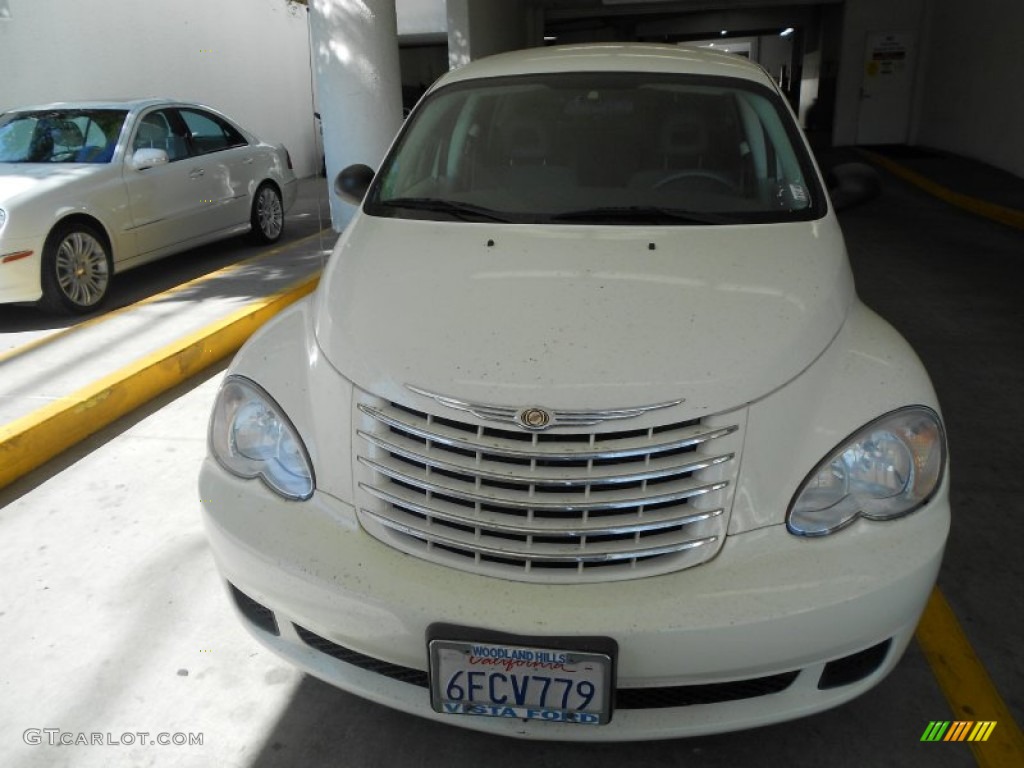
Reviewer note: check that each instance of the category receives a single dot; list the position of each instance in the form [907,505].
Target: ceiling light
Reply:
[786,32]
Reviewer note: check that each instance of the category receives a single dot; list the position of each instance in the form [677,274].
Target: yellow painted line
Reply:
[34,439]
[967,685]
[1004,215]
[25,348]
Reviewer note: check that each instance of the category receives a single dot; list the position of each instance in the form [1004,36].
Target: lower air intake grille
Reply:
[625,698]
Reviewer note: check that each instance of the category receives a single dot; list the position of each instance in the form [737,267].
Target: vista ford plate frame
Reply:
[492,674]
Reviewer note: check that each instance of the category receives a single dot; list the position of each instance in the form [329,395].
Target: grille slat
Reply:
[540,526]
[563,506]
[538,553]
[546,474]
[501,446]
[517,500]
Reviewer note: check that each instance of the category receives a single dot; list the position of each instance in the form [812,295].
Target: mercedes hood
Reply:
[20,181]
[568,316]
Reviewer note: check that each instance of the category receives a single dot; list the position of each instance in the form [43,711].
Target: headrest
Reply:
[152,133]
[67,134]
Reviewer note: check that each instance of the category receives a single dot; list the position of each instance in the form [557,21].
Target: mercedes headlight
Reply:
[885,470]
[3,218]
[251,437]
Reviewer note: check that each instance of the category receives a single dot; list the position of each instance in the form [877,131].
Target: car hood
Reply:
[581,316]
[19,181]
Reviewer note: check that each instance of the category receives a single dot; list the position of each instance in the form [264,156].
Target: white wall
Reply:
[861,17]
[247,58]
[973,101]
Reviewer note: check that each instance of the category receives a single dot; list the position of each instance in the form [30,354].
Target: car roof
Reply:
[611,57]
[128,104]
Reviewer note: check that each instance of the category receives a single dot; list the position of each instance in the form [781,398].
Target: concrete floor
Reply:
[115,622]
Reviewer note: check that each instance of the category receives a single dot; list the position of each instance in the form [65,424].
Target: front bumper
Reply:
[19,277]
[769,605]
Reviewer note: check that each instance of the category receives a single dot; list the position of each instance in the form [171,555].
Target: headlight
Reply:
[251,437]
[885,470]
[3,218]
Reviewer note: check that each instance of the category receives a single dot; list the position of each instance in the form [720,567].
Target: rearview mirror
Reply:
[351,184]
[850,184]
[148,157]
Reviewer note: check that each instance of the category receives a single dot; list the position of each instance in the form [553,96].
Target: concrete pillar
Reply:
[458,33]
[358,84]
[478,28]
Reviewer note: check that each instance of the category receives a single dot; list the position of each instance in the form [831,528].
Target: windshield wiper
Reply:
[460,210]
[642,214]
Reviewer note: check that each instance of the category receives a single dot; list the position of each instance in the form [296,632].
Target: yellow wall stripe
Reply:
[967,685]
[1008,216]
[32,440]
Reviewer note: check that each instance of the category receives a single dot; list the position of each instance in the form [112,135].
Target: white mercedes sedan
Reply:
[91,189]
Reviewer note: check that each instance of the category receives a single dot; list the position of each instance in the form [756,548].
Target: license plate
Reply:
[520,682]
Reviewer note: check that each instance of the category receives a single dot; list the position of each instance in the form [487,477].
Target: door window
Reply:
[209,133]
[158,130]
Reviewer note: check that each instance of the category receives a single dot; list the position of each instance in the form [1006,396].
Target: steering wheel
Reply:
[697,173]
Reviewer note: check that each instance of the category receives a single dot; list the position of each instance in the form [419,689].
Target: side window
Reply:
[156,131]
[208,133]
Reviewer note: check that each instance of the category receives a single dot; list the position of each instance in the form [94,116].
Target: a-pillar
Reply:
[358,85]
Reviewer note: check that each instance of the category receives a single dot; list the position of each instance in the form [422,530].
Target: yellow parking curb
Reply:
[967,686]
[1008,216]
[32,440]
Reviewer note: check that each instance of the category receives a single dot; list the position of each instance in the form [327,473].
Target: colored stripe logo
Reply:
[958,730]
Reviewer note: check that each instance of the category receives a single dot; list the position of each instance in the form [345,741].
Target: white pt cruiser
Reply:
[585,433]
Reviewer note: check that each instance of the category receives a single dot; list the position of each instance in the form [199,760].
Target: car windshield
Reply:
[60,135]
[599,147]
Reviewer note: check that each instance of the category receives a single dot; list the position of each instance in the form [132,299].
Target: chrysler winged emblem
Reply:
[535,418]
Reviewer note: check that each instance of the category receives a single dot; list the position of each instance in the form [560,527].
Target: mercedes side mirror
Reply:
[148,158]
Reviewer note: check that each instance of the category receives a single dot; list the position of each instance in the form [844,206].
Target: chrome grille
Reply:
[555,507]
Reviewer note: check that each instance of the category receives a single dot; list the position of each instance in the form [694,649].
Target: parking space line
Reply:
[35,344]
[1008,216]
[30,441]
[967,685]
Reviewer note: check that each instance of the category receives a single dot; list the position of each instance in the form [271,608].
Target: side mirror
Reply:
[850,184]
[148,158]
[352,183]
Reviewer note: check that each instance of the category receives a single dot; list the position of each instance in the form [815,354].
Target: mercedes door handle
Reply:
[196,173]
